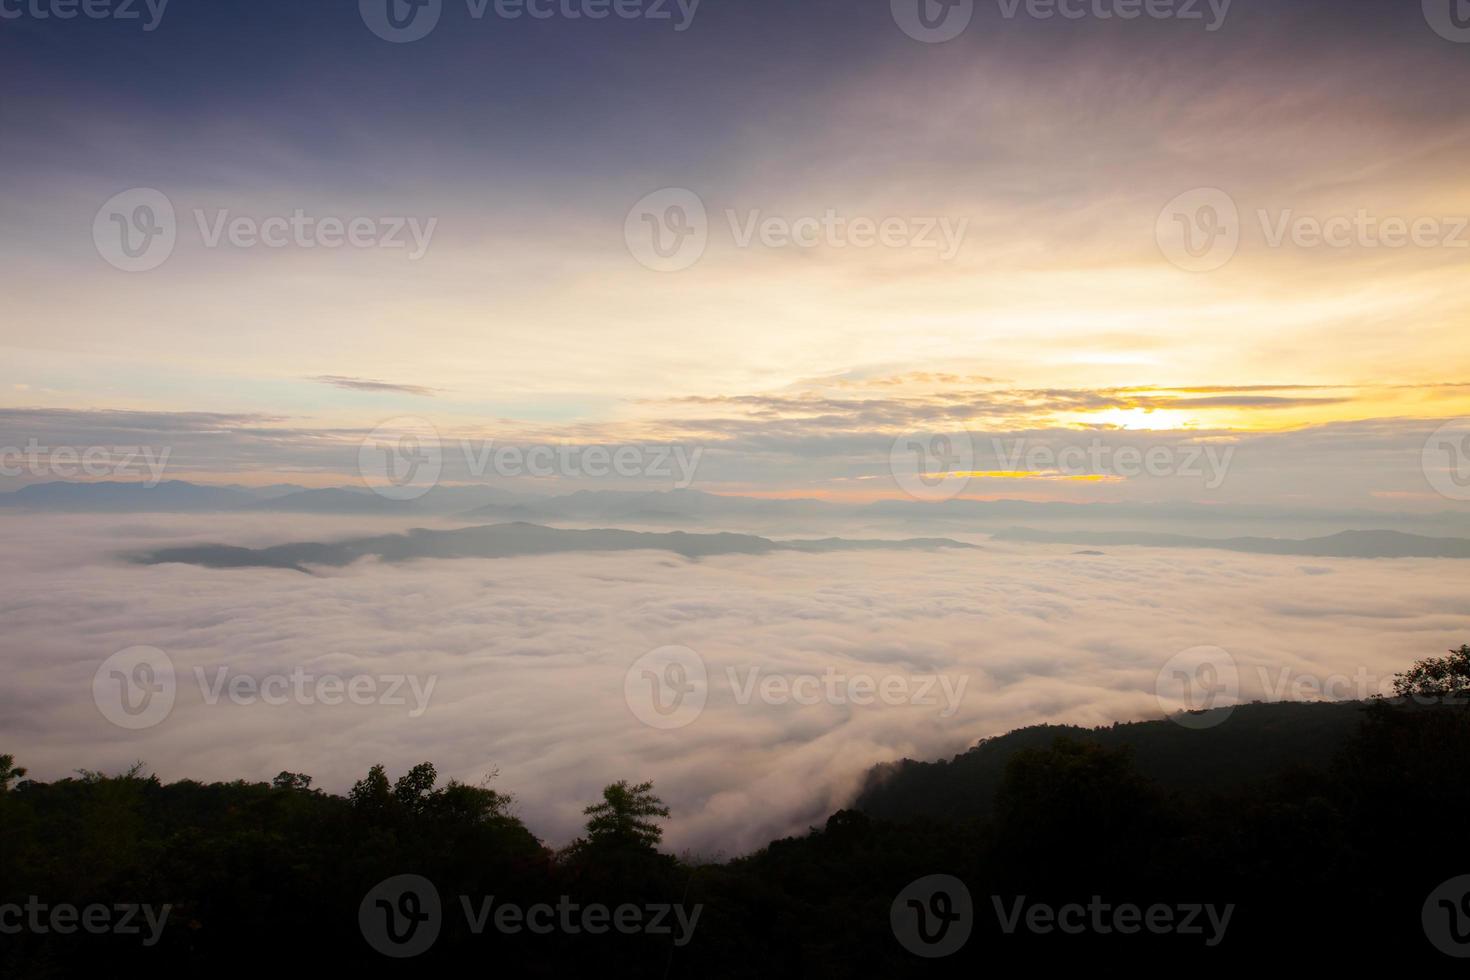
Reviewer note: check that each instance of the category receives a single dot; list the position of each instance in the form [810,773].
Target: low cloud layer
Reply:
[528,657]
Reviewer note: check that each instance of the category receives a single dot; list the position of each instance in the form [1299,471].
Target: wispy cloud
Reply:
[370,384]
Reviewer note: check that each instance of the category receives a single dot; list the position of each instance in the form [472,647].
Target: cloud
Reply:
[530,657]
[367,384]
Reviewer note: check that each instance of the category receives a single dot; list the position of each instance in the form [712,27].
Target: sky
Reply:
[1211,254]
[1245,228]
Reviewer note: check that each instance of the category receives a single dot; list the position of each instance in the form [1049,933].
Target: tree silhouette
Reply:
[621,819]
[415,789]
[291,780]
[9,772]
[1436,677]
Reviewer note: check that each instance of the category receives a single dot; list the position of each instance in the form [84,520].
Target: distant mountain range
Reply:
[507,541]
[1368,534]
[1345,544]
[652,506]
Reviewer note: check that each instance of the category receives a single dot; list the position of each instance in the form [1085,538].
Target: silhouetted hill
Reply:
[507,541]
[1257,741]
[1292,837]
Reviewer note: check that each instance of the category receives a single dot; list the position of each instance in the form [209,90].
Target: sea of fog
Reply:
[818,666]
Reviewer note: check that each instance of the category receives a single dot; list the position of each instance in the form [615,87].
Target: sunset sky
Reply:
[1055,144]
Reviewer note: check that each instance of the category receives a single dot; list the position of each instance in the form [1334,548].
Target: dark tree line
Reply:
[1326,841]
